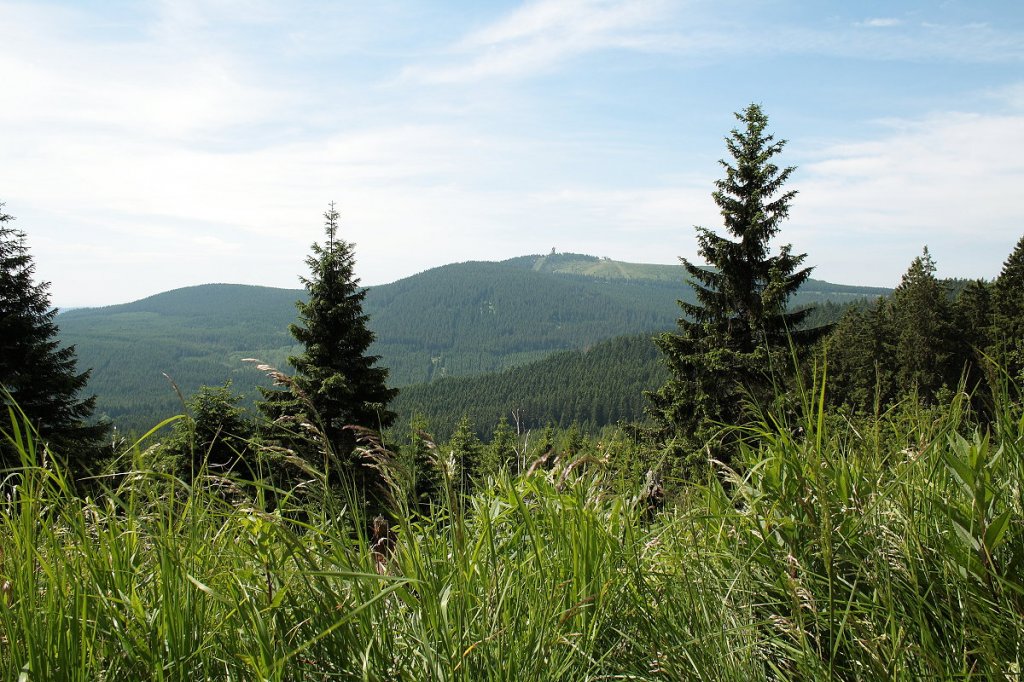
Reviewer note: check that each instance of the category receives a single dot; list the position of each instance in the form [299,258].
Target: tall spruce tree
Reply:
[739,330]
[337,382]
[1008,320]
[37,373]
[924,339]
[465,452]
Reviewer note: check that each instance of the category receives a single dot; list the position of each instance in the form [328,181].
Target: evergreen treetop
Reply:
[742,296]
[735,334]
[216,434]
[338,382]
[465,452]
[37,374]
[918,343]
[923,335]
[1008,323]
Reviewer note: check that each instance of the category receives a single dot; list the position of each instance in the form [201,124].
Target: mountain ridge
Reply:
[536,262]
[458,319]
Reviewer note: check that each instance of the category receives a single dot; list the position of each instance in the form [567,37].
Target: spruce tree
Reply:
[217,433]
[37,374]
[972,327]
[426,480]
[739,330]
[1008,322]
[923,335]
[465,452]
[914,343]
[337,382]
[972,315]
[500,454]
[859,352]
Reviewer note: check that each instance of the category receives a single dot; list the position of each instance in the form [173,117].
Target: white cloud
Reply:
[880,22]
[152,89]
[951,181]
[1011,96]
[132,163]
[542,34]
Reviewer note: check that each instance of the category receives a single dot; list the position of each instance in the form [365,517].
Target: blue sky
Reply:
[147,146]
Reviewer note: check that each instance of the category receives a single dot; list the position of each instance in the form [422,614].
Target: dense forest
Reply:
[592,388]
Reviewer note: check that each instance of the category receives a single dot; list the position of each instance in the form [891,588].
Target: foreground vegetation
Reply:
[870,548]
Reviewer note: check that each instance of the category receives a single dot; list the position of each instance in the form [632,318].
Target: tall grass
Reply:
[886,548]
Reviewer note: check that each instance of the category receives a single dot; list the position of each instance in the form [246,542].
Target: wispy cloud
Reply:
[1010,96]
[900,41]
[546,35]
[153,89]
[880,22]
[197,139]
[542,35]
[946,181]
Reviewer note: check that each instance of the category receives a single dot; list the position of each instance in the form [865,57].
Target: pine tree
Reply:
[972,327]
[915,343]
[739,329]
[573,442]
[426,480]
[216,434]
[37,374]
[858,352]
[1008,323]
[465,452]
[337,382]
[923,335]
[500,454]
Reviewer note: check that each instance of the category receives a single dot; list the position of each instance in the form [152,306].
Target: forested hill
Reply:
[196,336]
[474,317]
[459,319]
[481,316]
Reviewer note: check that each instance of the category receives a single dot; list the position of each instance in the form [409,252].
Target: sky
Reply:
[146,146]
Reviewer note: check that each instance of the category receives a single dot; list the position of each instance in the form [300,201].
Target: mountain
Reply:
[474,317]
[455,320]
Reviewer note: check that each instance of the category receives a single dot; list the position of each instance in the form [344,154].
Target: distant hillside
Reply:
[455,320]
[593,387]
[477,317]
[592,266]
[197,335]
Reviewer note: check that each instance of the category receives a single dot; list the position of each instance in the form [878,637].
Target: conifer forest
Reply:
[552,467]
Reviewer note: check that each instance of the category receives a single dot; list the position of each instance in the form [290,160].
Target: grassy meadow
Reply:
[881,548]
